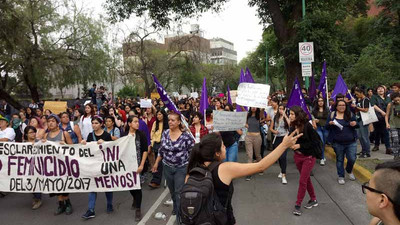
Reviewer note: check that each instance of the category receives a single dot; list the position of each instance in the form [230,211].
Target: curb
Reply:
[360,172]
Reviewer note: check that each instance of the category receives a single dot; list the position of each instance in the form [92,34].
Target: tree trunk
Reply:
[293,71]
[10,100]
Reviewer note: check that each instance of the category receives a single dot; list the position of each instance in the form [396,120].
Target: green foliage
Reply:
[127,92]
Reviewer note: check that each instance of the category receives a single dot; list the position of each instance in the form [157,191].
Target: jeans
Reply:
[395,141]
[348,150]
[93,196]
[323,134]
[381,133]
[282,160]
[305,165]
[232,153]
[157,176]
[363,134]
[253,143]
[175,177]
[99,102]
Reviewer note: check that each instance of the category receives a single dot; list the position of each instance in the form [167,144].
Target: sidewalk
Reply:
[364,167]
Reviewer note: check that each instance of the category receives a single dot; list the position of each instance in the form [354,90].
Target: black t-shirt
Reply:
[104,136]
[228,137]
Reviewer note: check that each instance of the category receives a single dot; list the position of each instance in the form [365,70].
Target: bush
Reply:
[127,91]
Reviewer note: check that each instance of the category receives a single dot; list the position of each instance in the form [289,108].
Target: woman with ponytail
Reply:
[211,149]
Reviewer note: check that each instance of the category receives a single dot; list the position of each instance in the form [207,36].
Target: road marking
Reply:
[171,220]
[153,207]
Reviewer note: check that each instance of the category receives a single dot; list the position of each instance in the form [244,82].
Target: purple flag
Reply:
[164,96]
[204,98]
[341,87]
[248,77]
[297,98]
[322,83]
[229,95]
[312,90]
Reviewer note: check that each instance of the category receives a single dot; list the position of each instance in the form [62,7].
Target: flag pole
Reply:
[327,92]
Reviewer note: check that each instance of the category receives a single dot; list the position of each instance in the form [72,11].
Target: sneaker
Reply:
[36,204]
[389,151]
[110,209]
[297,210]
[138,215]
[154,185]
[363,156]
[248,178]
[341,180]
[368,155]
[68,209]
[280,175]
[284,181]
[169,202]
[322,162]
[60,209]
[262,173]
[173,213]
[351,176]
[311,204]
[376,148]
[89,214]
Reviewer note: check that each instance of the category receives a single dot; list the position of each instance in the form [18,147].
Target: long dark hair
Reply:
[128,121]
[278,115]
[198,114]
[165,119]
[205,151]
[347,112]
[258,111]
[316,107]
[301,118]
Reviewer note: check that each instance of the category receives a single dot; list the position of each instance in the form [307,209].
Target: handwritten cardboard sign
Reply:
[55,107]
[229,121]
[145,103]
[253,95]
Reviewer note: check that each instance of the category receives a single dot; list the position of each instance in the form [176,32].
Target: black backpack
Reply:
[200,204]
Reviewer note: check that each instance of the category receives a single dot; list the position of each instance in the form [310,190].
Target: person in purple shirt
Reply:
[176,145]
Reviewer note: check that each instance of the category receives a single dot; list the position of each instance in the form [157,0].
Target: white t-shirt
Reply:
[8,133]
[85,124]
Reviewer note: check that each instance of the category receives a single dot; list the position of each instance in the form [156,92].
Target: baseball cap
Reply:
[4,118]
[55,117]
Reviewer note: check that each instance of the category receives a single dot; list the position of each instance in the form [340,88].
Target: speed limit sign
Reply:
[306,52]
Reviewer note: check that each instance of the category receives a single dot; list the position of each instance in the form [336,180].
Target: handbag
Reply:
[369,117]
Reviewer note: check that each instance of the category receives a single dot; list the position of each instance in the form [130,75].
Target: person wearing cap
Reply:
[55,134]
[6,133]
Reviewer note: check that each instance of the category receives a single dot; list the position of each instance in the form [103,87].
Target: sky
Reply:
[237,23]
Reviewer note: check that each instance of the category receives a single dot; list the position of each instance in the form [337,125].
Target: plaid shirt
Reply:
[203,130]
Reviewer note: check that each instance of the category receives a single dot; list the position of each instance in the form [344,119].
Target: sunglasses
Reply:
[366,186]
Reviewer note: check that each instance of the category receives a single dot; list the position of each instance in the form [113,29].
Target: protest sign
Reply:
[145,103]
[49,167]
[194,95]
[154,96]
[55,107]
[252,95]
[229,121]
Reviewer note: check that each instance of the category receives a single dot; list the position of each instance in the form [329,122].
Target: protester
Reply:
[149,117]
[43,120]
[85,122]
[342,126]
[141,154]
[362,132]
[392,120]
[33,105]
[176,144]
[37,123]
[210,153]
[157,130]
[320,114]
[30,137]
[209,120]
[380,102]
[280,127]
[304,157]
[39,112]
[6,109]
[117,118]
[100,136]
[55,134]
[253,136]
[7,134]
[69,127]
[197,128]
[383,195]
[111,128]
[231,139]
[29,113]
[92,94]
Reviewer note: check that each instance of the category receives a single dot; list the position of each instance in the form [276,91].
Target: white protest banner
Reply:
[194,95]
[50,167]
[145,103]
[229,121]
[253,95]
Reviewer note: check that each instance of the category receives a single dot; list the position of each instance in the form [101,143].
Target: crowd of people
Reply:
[165,147]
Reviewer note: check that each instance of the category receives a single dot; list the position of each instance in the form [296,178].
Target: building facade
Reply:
[222,52]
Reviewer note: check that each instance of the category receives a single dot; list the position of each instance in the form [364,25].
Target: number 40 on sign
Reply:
[306,52]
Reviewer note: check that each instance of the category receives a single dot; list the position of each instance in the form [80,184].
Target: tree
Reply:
[43,48]
[285,17]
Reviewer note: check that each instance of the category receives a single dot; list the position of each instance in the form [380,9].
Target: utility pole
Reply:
[266,67]
[307,79]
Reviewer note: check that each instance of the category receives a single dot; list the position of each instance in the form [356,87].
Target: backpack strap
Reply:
[211,167]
